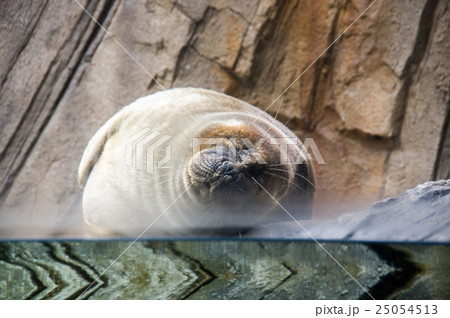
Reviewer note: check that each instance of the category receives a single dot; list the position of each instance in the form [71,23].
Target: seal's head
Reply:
[234,167]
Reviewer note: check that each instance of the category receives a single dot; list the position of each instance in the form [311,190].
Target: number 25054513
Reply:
[404,309]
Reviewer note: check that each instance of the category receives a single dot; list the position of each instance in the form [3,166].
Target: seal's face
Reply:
[235,162]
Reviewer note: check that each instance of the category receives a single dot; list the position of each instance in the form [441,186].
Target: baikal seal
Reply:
[190,161]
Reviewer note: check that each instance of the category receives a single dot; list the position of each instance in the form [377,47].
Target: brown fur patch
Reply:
[238,131]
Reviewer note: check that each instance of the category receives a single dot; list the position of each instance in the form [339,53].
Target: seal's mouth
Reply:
[224,173]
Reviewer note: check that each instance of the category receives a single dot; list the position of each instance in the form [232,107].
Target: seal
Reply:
[190,161]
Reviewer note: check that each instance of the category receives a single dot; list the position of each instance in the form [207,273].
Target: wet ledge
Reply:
[211,269]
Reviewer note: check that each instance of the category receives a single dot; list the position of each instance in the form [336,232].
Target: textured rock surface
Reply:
[420,214]
[221,270]
[376,103]
[425,114]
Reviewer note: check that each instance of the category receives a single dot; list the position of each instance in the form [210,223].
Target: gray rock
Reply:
[420,214]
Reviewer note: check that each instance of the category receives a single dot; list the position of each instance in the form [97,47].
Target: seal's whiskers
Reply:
[297,174]
[289,181]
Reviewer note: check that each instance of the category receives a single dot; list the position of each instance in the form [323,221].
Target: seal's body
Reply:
[193,161]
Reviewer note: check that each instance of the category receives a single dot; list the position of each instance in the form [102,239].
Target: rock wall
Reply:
[376,103]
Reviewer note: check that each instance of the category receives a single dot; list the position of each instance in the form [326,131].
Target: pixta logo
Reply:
[226,147]
[141,147]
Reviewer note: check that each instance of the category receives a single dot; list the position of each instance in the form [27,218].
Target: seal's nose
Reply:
[227,171]
[234,172]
